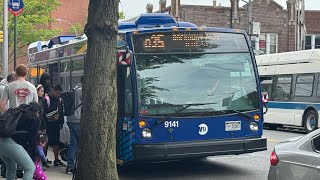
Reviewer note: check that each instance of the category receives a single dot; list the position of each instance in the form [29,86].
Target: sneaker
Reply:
[58,163]
[49,162]
[69,169]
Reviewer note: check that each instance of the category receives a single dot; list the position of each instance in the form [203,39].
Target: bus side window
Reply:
[54,72]
[283,88]
[65,75]
[41,69]
[266,86]
[128,109]
[77,70]
[33,74]
[304,85]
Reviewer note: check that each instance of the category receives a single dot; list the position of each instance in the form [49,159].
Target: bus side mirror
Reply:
[124,57]
[265,100]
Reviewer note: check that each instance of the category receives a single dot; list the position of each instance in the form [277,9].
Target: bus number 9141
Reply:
[170,124]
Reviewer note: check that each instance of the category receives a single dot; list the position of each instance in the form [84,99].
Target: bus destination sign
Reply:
[187,42]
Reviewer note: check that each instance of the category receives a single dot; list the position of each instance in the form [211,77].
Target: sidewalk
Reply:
[55,173]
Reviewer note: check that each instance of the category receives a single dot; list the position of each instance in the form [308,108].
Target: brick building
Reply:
[279,26]
[70,13]
[312,38]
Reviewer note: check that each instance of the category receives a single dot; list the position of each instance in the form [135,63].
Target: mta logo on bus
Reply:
[203,129]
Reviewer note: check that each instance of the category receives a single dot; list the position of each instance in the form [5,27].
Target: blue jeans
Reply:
[74,139]
[12,154]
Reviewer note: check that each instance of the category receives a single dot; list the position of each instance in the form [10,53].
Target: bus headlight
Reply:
[254,127]
[146,133]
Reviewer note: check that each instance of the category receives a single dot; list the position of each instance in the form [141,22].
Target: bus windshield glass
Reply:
[165,82]
[197,67]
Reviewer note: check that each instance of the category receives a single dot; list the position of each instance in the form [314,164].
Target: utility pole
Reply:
[250,18]
[5,38]
[249,3]
[300,24]
[250,25]
[177,10]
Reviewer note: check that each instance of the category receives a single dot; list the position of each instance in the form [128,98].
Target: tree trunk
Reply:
[97,148]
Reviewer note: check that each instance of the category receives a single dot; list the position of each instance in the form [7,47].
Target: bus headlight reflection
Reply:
[146,133]
[254,126]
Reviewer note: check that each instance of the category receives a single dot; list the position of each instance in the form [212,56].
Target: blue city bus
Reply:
[187,91]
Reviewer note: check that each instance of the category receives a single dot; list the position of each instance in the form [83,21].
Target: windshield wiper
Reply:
[185,106]
[240,113]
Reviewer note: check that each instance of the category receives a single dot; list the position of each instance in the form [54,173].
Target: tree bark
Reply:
[97,148]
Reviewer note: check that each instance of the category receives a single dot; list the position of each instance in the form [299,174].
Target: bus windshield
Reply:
[168,81]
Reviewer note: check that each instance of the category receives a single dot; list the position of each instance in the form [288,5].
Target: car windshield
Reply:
[168,81]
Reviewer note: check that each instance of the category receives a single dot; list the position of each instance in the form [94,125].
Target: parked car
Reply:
[296,159]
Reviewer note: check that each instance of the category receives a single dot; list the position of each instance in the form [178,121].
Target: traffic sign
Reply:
[15,6]
[124,57]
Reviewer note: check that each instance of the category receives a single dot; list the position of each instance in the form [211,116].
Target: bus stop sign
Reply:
[15,6]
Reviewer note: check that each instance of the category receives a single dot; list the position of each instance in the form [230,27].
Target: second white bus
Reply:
[292,80]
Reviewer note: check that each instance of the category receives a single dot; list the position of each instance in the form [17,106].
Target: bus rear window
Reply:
[180,41]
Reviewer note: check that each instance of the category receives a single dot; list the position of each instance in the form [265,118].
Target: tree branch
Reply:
[11,54]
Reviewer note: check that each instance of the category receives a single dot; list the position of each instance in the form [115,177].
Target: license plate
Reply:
[233,125]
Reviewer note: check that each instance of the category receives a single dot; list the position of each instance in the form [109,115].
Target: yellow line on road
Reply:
[273,140]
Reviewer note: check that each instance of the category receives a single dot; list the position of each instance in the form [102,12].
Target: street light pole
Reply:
[15,44]
[70,25]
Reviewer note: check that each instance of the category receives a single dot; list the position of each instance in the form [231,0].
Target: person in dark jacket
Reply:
[54,119]
[15,150]
[45,81]
[40,92]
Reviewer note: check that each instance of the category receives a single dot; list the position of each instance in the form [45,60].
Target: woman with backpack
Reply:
[21,148]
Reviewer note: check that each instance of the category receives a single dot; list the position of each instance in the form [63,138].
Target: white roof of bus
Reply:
[35,44]
[293,57]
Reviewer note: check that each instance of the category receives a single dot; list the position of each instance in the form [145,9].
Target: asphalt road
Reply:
[254,166]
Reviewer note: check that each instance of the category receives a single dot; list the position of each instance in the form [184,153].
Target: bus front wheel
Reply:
[310,121]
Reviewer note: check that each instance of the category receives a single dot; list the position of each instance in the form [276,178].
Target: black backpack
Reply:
[69,107]
[9,121]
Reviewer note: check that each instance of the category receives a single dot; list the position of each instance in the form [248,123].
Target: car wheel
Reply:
[310,121]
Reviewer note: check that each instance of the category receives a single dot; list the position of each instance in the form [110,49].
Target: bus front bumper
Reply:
[178,150]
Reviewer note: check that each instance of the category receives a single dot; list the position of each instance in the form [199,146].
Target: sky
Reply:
[133,8]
